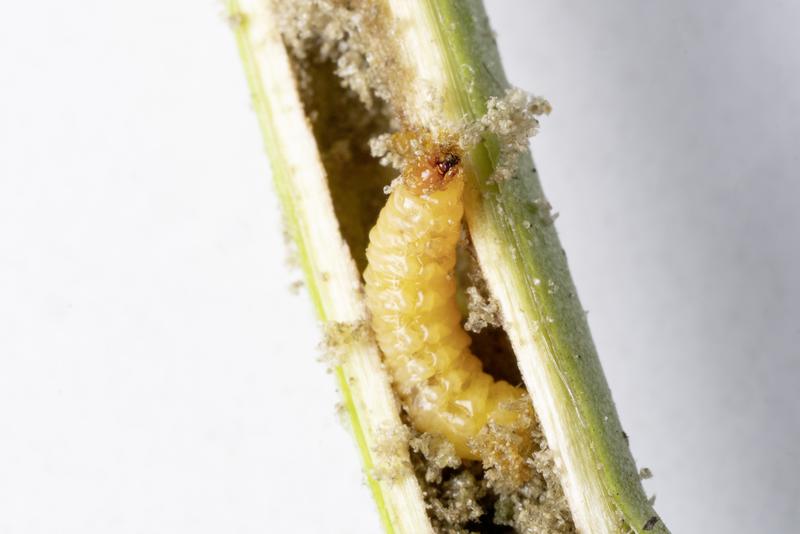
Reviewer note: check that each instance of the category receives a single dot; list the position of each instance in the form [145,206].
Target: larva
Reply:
[410,293]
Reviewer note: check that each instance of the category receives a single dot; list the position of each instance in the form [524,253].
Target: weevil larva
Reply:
[410,290]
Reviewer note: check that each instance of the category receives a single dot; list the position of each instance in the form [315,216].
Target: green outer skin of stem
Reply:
[283,186]
[534,256]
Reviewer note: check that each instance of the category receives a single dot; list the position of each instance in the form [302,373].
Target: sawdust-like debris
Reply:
[353,34]
[338,338]
[390,453]
[295,287]
[539,506]
[465,496]
[484,311]
[438,452]
[505,451]
[457,503]
[513,119]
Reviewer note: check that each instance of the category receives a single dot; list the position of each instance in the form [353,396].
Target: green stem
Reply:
[332,279]
[446,47]
[526,268]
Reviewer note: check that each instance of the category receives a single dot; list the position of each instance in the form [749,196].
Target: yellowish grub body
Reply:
[410,290]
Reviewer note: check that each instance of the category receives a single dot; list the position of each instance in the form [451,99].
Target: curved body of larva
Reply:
[410,292]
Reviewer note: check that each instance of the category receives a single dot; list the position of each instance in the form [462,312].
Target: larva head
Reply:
[433,171]
[429,164]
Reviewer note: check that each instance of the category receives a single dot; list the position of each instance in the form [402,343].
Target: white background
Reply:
[157,376]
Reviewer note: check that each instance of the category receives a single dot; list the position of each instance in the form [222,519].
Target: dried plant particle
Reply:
[513,119]
[337,339]
[341,413]
[465,499]
[438,452]
[544,211]
[381,147]
[295,287]
[506,448]
[354,36]
[483,311]
[457,503]
[291,259]
[645,473]
[391,454]
[540,505]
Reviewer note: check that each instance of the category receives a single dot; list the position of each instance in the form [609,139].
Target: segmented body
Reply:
[410,290]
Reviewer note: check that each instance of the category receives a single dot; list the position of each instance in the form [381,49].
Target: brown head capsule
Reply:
[429,163]
[433,170]
[446,163]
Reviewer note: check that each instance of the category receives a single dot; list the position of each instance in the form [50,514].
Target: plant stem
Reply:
[526,269]
[451,69]
[330,273]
